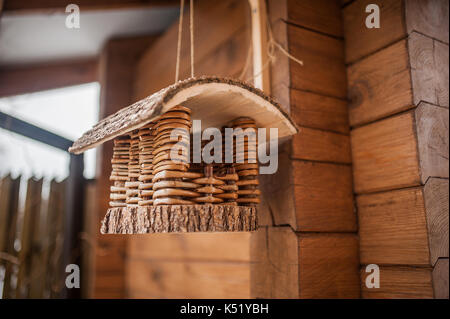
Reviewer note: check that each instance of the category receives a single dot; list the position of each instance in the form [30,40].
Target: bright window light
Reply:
[67,112]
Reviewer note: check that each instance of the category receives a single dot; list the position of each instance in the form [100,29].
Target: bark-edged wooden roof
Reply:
[213,100]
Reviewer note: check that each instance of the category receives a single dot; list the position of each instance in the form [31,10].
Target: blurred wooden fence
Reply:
[31,239]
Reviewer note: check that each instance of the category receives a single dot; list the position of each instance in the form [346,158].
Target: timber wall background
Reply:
[383,140]
[398,94]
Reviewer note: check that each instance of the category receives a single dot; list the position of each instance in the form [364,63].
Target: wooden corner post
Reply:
[261,70]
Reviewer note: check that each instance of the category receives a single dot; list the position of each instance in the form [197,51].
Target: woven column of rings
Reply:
[157,187]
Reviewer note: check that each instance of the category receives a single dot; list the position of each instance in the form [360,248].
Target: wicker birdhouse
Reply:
[156,189]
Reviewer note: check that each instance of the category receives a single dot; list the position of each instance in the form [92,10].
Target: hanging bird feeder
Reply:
[155,190]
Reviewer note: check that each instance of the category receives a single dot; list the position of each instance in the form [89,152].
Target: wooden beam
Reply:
[261,71]
[26,6]
[399,282]
[440,279]
[435,195]
[40,77]
[36,133]
[385,155]
[393,228]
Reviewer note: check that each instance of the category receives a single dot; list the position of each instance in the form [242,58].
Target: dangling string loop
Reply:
[191,27]
[180,31]
[272,45]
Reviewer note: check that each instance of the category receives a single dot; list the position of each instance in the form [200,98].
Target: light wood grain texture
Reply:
[187,279]
[319,15]
[27,79]
[399,283]
[433,141]
[436,204]
[323,146]
[278,205]
[204,96]
[328,266]
[429,17]
[215,24]
[319,111]
[196,247]
[323,197]
[441,65]
[361,41]
[440,279]
[385,155]
[380,85]
[289,265]
[274,270]
[429,69]
[393,229]
[323,69]
[421,50]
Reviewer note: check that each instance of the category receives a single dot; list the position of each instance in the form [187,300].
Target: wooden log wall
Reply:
[398,93]
[193,265]
[307,245]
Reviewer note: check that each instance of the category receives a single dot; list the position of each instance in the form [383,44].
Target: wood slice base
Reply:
[179,219]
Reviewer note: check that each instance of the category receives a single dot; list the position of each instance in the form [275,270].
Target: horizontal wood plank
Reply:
[319,111]
[323,69]
[385,155]
[323,197]
[433,140]
[437,212]
[399,283]
[318,145]
[318,15]
[34,78]
[380,85]
[278,194]
[274,268]
[184,279]
[392,228]
[361,41]
[328,266]
[196,247]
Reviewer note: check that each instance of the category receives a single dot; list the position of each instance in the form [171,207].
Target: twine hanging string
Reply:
[191,27]
[272,45]
[180,32]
